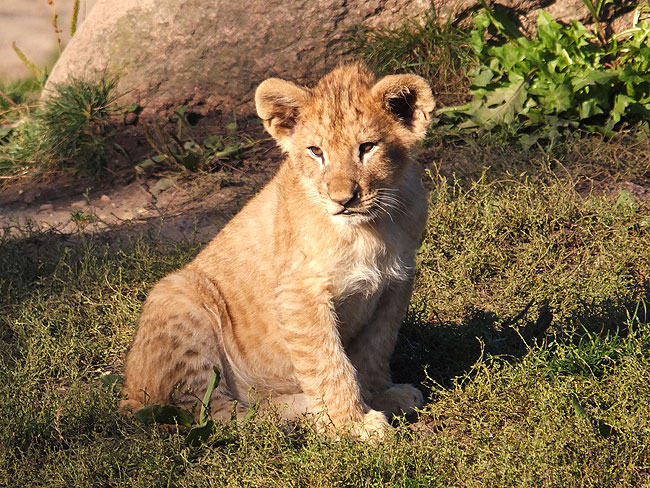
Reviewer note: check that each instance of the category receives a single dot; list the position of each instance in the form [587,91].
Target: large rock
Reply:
[207,53]
[212,53]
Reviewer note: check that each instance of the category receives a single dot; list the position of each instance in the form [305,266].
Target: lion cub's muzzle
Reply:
[346,197]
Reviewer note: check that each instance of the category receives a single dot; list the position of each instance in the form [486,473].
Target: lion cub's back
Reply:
[241,259]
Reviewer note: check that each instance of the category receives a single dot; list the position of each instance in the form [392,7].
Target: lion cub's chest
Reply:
[360,277]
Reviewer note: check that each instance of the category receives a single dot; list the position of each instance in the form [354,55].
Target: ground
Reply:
[185,202]
[527,331]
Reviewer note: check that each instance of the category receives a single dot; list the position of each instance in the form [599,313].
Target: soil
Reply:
[180,203]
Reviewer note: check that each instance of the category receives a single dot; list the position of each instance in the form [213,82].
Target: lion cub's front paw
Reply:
[400,398]
[374,426]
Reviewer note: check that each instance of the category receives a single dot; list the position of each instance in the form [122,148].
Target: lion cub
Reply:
[298,300]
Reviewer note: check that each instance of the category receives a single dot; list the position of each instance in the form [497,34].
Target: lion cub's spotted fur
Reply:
[300,297]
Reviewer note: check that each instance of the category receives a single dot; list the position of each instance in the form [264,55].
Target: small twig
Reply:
[11,177]
[57,31]
[16,108]
[6,97]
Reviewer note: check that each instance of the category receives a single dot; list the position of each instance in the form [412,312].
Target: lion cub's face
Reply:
[349,136]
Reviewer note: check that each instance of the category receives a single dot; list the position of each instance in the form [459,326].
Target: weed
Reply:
[562,78]
[436,50]
[72,129]
[189,151]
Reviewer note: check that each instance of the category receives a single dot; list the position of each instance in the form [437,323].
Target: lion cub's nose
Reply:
[342,191]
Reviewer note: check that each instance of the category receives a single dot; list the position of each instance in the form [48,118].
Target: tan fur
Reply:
[295,301]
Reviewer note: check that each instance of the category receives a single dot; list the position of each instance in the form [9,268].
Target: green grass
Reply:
[14,95]
[438,51]
[528,328]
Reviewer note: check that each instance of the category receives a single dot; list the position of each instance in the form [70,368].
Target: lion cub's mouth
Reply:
[348,211]
[355,209]
[364,211]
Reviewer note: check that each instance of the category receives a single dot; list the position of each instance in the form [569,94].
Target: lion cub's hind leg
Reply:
[176,346]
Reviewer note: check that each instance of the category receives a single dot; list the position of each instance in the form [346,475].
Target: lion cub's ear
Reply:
[278,103]
[409,98]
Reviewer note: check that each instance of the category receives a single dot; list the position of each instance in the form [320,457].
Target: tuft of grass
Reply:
[71,129]
[429,47]
[78,122]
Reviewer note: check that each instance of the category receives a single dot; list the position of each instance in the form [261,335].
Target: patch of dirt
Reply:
[197,204]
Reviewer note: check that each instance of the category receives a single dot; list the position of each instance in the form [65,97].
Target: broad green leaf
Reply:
[164,414]
[560,98]
[212,384]
[199,434]
[548,31]
[504,104]
[589,108]
[482,77]
[597,77]
[620,105]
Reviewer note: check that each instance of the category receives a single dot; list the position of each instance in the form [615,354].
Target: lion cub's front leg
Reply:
[322,368]
[372,349]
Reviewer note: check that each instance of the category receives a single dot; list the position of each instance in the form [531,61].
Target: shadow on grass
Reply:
[39,263]
[430,350]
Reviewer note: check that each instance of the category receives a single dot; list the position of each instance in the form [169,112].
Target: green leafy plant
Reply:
[561,78]
[171,414]
[183,148]
[201,431]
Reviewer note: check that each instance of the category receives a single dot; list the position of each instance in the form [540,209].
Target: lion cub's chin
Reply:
[353,219]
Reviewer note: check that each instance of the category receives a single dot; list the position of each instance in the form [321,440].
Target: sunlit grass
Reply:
[530,297]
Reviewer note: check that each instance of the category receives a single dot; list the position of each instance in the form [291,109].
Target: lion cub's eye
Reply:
[366,148]
[315,152]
